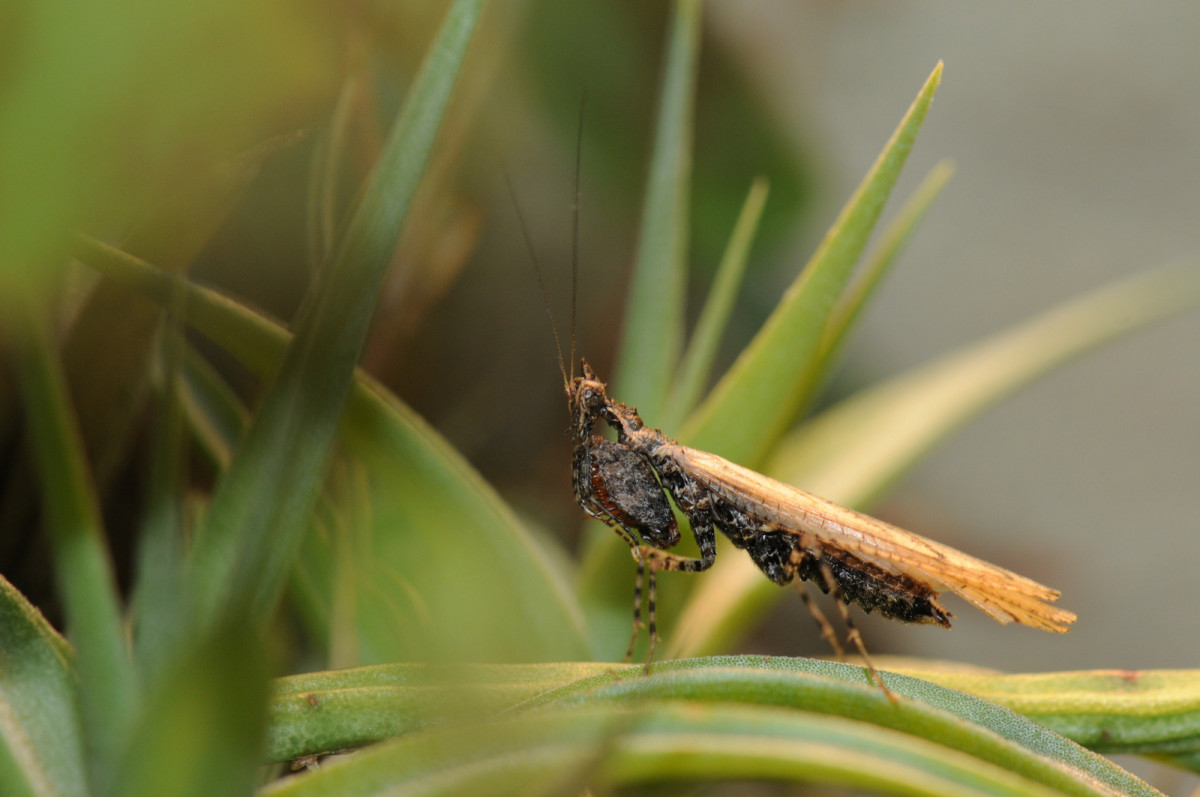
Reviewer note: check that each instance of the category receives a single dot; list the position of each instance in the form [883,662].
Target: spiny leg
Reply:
[852,633]
[661,560]
[702,530]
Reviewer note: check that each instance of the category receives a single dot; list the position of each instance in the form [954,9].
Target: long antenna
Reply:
[575,225]
[568,378]
[541,281]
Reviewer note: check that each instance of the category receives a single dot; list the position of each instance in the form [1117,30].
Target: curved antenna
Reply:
[541,281]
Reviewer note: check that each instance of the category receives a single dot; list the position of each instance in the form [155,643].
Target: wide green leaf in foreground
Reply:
[573,727]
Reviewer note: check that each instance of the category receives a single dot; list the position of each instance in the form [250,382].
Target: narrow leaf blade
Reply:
[1110,711]
[753,403]
[698,359]
[892,241]
[84,573]
[653,333]
[263,502]
[721,718]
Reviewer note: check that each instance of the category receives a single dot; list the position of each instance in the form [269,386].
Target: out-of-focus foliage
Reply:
[136,112]
[225,497]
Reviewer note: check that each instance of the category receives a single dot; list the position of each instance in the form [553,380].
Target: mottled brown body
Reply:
[789,534]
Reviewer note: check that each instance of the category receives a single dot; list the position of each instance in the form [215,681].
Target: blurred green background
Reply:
[187,133]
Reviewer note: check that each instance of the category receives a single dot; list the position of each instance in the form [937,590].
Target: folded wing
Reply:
[1002,594]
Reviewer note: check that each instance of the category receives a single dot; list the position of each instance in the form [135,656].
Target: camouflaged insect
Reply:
[790,534]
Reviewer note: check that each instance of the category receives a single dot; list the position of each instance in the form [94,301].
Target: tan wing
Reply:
[1002,594]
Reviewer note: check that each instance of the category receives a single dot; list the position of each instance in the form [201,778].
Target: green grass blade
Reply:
[325,171]
[891,242]
[653,331]
[487,589]
[83,570]
[342,709]
[739,717]
[440,499]
[853,451]
[934,713]
[316,712]
[263,502]
[761,393]
[41,733]
[216,417]
[698,359]
[651,745]
[157,601]
[1110,711]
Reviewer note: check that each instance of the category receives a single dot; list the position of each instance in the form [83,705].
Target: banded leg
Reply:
[658,560]
[599,512]
[706,540]
[637,606]
[651,600]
